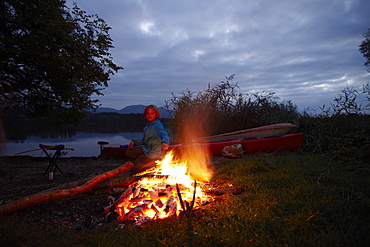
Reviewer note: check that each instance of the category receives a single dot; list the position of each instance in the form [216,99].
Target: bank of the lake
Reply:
[290,199]
[84,144]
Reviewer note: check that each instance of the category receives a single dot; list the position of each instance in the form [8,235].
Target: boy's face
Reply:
[150,115]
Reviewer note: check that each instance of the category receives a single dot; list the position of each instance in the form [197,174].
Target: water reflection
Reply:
[85,142]
[24,134]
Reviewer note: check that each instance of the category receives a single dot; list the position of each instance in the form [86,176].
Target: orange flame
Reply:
[156,197]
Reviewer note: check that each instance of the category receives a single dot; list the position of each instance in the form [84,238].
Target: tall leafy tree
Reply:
[365,49]
[53,59]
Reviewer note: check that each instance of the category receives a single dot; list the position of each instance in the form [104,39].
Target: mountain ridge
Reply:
[133,109]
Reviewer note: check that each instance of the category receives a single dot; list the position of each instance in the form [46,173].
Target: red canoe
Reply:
[273,130]
[259,145]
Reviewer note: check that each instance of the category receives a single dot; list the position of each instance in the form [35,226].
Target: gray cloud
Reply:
[304,51]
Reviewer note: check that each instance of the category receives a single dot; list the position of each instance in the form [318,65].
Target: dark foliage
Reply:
[53,59]
[365,49]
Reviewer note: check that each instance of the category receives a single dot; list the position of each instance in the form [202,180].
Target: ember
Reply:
[156,197]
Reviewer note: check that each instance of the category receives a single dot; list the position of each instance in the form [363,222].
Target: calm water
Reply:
[86,142]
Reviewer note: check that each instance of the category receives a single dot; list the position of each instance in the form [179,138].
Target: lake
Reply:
[86,143]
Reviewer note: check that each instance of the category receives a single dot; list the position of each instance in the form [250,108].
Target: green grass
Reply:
[290,199]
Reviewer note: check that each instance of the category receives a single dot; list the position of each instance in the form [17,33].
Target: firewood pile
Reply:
[139,204]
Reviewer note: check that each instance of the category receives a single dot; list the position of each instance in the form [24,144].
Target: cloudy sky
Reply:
[305,51]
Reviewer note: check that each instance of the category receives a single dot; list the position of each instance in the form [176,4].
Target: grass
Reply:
[290,199]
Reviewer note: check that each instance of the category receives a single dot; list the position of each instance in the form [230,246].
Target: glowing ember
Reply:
[156,197]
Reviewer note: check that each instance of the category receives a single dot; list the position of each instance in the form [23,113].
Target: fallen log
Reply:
[14,206]
[121,180]
[68,185]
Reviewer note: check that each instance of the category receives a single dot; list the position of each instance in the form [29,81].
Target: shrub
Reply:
[224,108]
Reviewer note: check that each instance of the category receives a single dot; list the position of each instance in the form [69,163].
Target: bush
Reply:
[224,108]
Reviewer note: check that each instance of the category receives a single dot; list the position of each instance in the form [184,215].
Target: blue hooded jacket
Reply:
[154,135]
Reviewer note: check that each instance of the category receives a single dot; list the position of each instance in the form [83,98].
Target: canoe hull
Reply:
[262,145]
[273,130]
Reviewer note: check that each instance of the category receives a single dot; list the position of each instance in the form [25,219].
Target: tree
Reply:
[365,49]
[53,59]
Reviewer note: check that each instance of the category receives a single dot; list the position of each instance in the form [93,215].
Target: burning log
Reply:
[123,199]
[121,180]
[169,204]
[13,206]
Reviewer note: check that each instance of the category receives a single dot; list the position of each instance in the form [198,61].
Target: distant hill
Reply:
[132,109]
[135,109]
[105,109]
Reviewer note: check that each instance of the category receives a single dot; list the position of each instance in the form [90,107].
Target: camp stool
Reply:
[52,159]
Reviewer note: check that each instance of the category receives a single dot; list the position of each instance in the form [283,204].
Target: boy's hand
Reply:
[165,146]
[131,144]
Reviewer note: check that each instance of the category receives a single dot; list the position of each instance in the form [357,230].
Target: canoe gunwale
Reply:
[273,130]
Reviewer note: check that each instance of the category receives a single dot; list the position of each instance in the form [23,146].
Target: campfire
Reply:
[165,190]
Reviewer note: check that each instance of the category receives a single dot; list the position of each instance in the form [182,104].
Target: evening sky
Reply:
[305,51]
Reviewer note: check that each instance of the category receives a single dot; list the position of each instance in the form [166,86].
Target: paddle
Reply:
[47,148]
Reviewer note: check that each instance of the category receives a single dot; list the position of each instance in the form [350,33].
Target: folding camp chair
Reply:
[52,159]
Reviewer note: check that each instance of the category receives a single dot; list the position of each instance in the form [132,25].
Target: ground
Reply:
[24,175]
[21,176]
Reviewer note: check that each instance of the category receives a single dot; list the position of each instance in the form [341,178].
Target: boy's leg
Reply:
[134,152]
[142,163]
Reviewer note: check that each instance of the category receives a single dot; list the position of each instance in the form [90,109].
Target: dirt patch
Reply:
[23,176]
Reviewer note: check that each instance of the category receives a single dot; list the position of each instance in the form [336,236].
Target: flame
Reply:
[156,197]
[197,157]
